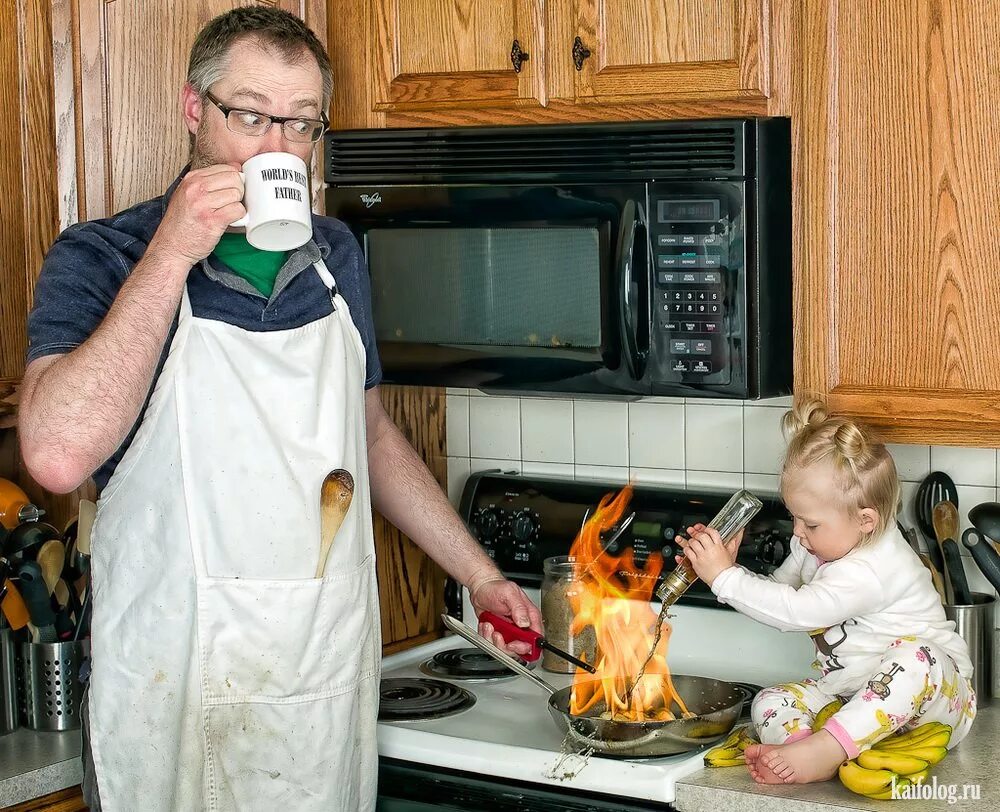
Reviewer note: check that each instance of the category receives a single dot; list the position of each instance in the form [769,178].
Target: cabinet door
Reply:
[457,53]
[895,167]
[664,50]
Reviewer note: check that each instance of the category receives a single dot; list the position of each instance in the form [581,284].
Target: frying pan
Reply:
[716,705]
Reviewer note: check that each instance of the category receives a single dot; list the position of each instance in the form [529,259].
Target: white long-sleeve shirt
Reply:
[853,607]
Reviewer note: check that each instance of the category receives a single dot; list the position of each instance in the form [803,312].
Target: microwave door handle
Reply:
[631,227]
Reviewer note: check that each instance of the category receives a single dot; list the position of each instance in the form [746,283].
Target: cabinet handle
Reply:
[580,53]
[517,56]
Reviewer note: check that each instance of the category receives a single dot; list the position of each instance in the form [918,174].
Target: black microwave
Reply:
[646,258]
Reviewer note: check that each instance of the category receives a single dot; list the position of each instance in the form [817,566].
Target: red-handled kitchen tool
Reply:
[511,631]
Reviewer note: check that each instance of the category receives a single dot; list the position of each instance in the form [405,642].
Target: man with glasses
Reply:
[214,391]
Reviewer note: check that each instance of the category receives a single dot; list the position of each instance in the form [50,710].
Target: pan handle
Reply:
[485,645]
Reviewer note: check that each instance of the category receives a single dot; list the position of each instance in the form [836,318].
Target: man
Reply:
[209,388]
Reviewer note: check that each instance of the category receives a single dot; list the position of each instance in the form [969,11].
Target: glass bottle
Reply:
[733,517]
[560,584]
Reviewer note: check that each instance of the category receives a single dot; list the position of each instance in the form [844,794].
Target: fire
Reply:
[614,599]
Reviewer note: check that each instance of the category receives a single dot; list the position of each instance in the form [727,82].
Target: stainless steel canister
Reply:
[8,681]
[975,623]
[50,685]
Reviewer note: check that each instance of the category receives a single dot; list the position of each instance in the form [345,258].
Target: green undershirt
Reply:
[259,268]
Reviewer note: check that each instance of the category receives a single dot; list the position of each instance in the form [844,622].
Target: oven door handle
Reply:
[634,288]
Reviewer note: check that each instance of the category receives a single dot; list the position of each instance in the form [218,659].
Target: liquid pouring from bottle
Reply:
[733,517]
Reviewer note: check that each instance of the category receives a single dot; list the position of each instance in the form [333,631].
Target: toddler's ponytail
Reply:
[863,467]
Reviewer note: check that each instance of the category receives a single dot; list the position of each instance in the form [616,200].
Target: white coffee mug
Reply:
[276,196]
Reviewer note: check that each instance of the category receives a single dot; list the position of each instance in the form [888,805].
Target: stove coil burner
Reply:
[402,699]
[749,691]
[465,663]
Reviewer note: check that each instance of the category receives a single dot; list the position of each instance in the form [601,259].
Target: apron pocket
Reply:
[282,641]
[315,755]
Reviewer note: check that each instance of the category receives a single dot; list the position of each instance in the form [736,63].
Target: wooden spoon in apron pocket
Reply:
[334,502]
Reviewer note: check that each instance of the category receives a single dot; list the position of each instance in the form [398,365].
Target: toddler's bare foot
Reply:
[815,758]
[753,755]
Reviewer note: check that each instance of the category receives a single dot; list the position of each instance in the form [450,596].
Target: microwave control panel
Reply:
[690,240]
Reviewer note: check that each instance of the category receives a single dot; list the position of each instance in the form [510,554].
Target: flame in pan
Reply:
[614,599]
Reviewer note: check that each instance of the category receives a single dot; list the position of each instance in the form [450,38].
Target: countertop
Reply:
[973,762]
[33,764]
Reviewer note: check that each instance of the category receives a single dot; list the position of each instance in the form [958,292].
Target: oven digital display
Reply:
[688,211]
[647,529]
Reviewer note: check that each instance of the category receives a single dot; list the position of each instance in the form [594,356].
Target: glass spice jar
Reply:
[560,583]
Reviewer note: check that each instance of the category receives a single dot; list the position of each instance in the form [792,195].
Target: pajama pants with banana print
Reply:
[916,683]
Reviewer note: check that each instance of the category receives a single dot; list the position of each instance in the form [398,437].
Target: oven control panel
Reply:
[521,520]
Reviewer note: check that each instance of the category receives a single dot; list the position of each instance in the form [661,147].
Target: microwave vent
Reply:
[648,150]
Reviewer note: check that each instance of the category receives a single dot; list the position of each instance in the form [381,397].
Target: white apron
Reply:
[225,676]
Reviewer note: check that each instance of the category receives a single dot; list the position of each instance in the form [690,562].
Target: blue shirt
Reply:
[89,262]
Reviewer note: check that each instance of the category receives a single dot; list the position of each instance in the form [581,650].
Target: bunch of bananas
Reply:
[899,760]
[825,713]
[730,752]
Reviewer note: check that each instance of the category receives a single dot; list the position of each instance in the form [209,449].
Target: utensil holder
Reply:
[975,623]
[50,684]
[9,721]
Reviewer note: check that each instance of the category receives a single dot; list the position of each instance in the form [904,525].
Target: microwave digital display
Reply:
[688,211]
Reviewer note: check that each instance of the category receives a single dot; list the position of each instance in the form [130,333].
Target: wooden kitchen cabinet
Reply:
[457,61]
[628,50]
[895,200]
[442,53]
[93,126]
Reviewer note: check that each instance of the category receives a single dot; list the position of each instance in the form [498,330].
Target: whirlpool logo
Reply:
[371,200]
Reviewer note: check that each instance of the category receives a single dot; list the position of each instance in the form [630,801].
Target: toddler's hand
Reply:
[706,552]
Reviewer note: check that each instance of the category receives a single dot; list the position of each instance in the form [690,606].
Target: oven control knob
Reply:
[524,526]
[486,523]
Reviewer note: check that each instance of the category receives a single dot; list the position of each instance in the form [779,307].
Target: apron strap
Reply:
[326,276]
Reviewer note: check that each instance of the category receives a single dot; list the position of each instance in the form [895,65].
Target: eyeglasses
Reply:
[252,123]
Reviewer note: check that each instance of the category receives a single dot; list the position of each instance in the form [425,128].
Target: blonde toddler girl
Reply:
[852,582]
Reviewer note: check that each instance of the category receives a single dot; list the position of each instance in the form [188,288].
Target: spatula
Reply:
[936,487]
[334,502]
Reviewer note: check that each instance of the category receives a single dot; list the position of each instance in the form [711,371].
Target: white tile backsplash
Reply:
[546,430]
[692,442]
[658,476]
[713,437]
[656,435]
[763,442]
[967,466]
[495,427]
[457,424]
[913,462]
[600,433]
[609,473]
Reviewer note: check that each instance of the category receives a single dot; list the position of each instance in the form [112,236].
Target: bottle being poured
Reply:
[733,517]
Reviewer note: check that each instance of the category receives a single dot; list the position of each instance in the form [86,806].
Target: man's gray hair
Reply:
[271,27]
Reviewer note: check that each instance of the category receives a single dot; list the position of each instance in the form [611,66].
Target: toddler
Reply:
[852,582]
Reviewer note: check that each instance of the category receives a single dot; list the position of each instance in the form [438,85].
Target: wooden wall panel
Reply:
[132,137]
[411,586]
[28,220]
